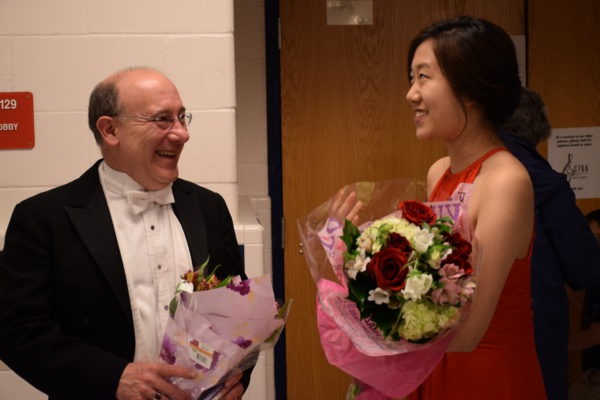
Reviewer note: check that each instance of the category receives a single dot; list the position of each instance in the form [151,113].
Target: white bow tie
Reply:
[139,200]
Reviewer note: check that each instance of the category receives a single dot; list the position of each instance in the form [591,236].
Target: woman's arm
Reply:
[501,210]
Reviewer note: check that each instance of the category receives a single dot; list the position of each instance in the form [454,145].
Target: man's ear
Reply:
[106,127]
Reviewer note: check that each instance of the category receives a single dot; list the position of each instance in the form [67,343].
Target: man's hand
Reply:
[233,389]
[146,381]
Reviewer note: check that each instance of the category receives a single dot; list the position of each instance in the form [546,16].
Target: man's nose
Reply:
[179,133]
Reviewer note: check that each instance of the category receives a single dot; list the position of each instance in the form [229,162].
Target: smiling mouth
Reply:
[419,113]
[168,154]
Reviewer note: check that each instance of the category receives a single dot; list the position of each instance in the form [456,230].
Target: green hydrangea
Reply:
[423,319]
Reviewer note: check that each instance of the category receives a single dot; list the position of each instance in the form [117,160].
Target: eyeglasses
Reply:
[164,122]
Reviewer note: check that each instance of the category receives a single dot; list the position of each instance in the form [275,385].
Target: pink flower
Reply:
[451,290]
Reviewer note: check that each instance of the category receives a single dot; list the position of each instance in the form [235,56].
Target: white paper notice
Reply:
[576,153]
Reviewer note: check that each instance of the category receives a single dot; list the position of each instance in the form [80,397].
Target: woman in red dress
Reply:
[464,83]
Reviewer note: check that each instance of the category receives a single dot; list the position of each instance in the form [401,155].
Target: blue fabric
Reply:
[590,358]
[564,251]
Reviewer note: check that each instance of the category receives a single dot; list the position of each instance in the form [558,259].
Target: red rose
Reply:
[460,262]
[387,268]
[398,241]
[461,247]
[417,212]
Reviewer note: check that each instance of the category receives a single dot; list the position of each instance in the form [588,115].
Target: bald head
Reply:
[107,96]
[140,123]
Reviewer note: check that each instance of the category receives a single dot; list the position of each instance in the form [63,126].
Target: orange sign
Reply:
[16,120]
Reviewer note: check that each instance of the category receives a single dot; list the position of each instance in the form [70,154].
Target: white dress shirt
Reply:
[154,253]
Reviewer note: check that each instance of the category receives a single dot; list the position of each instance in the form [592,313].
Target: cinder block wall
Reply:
[59,50]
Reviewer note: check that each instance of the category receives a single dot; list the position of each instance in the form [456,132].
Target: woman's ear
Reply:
[467,102]
[107,128]
[470,106]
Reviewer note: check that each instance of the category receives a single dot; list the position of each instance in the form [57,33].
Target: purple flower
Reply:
[167,351]
[243,343]
[243,288]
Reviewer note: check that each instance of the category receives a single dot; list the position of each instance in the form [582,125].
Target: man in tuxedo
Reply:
[88,268]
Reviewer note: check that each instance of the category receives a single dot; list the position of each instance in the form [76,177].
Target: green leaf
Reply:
[444,228]
[214,271]
[445,220]
[350,255]
[385,318]
[357,292]
[282,313]
[351,233]
[173,307]
[224,282]
[284,310]
[203,266]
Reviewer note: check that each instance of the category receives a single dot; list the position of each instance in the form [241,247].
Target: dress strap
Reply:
[448,181]
[471,172]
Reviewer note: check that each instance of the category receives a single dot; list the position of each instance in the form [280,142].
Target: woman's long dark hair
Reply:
[479,60]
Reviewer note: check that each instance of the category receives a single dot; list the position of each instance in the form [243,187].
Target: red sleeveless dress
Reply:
[504,364]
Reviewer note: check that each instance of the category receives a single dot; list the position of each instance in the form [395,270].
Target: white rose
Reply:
[422,240]
[416,286]
[406,229]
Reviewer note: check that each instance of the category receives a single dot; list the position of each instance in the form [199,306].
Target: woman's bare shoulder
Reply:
[503,175]
[503,167]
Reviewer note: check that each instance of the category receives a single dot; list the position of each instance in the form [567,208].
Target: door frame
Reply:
[273,102]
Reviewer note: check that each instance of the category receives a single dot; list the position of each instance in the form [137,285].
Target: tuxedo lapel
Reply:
[188,212]
[91,218]
[89,214]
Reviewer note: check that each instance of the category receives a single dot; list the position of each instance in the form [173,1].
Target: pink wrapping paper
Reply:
[389,376]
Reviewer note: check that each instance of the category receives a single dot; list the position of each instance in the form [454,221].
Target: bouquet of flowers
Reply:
[405,282]
[409,274]
[218,327]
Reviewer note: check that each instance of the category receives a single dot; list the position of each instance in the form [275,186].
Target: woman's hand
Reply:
[345,206]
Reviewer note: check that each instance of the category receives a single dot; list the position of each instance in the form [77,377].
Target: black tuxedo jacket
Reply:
[65,318]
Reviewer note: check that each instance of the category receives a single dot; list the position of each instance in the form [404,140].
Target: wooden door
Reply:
[564,67]
[345,119]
